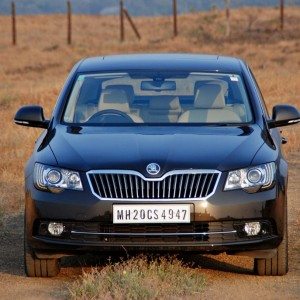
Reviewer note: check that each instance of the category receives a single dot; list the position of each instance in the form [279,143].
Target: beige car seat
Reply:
[163,109]
[117,99]
[209,107]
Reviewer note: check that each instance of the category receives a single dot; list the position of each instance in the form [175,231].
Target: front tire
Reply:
[35,267]
[276,266]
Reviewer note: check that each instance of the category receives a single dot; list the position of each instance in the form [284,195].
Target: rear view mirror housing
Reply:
[158,86]
[284,115]
[31,116]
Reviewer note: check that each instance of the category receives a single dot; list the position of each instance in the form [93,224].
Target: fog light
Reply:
[252,228]
[55,229]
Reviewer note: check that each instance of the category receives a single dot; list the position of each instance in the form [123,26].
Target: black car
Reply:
[161,152]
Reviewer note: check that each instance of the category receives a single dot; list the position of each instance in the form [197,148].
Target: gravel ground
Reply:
[227,277]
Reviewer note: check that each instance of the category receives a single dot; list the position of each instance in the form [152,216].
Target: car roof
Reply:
[163,61]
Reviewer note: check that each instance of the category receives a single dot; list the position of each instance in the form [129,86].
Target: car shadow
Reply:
[223,263]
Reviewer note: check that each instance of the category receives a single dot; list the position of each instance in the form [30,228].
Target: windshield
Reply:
[158,98]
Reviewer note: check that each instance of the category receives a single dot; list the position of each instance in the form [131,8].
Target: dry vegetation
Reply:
[139,278]
[33,73]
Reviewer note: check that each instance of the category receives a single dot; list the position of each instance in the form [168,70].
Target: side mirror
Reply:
[32,116]
[284,115]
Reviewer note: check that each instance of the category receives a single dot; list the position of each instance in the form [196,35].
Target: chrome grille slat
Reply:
[120,185]
[169,187]
[108,185]
[180,187]
[174,186]
[131,185]
[203,185]
[209,183]
[136,186]
[164,189]
[126,186]
[186,185]
[153,190]
[97,184]
[148,187]
[142,185]
[197,185]
[114,184]
[192,185]
[102,183]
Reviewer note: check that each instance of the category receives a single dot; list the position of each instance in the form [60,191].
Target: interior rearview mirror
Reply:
[32,116]
[158,86]
[284,115]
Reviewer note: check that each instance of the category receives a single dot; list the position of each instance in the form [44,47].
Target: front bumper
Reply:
[211,237]
[215,224]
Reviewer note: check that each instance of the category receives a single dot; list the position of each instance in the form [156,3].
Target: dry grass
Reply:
[34,71]
[138,278]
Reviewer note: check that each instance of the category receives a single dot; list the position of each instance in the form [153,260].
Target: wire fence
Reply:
[125,15]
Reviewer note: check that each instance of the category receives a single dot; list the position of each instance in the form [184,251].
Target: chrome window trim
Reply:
[149,179]
[152,234]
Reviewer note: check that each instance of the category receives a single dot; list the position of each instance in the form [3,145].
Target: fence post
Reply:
[281,14]
[69,22]
[122,32]
[132,24]
[175,29]
[13,20]
[227,3]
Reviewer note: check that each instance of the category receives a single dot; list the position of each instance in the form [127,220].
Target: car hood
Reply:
[133,148]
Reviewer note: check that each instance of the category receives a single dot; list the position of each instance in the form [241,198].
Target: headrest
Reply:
[114,99]
[223,83]
[165,103]
[125,87]
[210,96]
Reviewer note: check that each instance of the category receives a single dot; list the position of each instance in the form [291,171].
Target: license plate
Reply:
[148,213]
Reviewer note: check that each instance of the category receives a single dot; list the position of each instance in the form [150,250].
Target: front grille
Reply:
[190,184]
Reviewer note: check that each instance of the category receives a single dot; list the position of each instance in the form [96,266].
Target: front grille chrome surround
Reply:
[191,184]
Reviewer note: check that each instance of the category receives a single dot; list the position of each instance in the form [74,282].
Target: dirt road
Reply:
[227,277]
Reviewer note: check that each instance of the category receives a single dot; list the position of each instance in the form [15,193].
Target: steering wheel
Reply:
[113,114]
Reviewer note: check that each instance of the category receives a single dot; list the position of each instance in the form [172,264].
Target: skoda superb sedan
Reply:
[160,152]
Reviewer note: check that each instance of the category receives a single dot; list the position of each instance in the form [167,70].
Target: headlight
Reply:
[55,179]
[251,179]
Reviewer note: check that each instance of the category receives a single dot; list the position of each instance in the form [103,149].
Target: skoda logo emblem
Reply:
[153,169]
